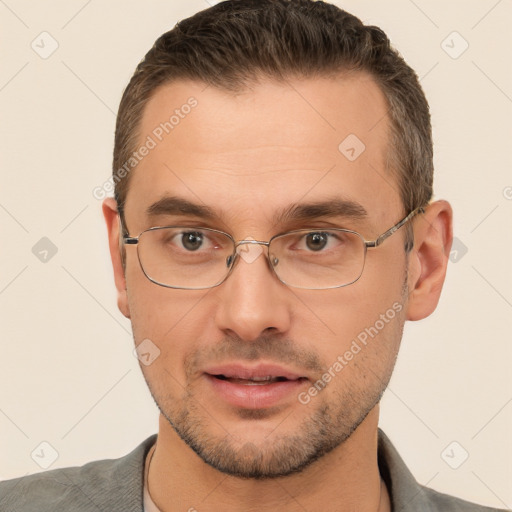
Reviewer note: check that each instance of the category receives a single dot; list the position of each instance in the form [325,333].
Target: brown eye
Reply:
[316,241]
[192,240]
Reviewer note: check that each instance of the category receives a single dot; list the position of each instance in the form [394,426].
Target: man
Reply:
[271,232]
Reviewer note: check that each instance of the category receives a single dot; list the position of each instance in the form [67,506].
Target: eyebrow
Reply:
[331,208]
[337,207]
[170,205]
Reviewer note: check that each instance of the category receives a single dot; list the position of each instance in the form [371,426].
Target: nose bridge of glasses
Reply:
[249,249]
[250,241]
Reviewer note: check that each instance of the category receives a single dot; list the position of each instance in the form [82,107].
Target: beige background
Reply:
[67,373]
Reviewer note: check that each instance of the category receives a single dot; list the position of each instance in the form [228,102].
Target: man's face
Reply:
[248,158]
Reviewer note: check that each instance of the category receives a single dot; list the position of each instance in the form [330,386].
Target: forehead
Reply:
[271,145]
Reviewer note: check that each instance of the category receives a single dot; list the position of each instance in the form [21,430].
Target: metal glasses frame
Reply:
[134,240]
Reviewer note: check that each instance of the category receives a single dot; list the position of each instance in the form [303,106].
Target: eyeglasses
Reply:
[193,258]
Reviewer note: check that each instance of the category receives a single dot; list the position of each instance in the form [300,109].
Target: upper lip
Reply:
[244,371]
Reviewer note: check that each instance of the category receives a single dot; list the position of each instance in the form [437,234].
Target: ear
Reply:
[113,228]
[428,259]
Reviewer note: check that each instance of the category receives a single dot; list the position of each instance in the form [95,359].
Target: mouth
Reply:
[254,387]
[256,381]
[259,375]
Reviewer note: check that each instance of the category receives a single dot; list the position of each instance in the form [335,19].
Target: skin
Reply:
[247,156]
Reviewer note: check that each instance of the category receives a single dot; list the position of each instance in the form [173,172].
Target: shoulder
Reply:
[99,485]
[55,488]
[407,495]
[445,502]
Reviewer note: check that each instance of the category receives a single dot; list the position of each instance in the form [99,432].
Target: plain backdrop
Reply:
[68,376]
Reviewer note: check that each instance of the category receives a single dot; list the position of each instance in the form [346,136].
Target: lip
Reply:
[243,371]
[254,396]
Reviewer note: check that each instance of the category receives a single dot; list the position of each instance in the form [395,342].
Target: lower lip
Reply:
[255,396]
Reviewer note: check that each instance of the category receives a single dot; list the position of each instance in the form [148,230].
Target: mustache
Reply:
[276,349]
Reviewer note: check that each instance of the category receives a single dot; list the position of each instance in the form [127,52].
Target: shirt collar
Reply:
[405,493]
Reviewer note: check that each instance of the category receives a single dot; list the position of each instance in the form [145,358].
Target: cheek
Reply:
[166,322]
[156,311]
[360,358]
[363,321]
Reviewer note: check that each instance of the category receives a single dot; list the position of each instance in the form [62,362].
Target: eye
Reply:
[317,241]
[192,241]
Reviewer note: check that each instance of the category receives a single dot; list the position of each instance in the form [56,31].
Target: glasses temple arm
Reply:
[396,227]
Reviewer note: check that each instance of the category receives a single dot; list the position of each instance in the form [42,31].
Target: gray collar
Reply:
[405,493]
[118,485]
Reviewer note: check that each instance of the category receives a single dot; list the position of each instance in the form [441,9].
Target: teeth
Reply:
[255,381]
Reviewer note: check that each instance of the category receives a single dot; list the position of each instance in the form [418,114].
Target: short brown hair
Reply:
[234,42]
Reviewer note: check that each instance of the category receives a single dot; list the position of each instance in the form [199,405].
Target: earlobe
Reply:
[428,260]
[113,228]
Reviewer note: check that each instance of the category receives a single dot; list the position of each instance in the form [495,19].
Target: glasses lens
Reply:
[318,259]
[184,257]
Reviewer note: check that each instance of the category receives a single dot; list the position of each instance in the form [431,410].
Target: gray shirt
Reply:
[116,485]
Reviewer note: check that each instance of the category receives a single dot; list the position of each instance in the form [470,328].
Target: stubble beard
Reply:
[282,454]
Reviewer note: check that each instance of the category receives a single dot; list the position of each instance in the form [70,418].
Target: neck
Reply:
[346,478]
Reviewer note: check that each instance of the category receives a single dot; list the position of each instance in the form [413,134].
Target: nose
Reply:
[252,301]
